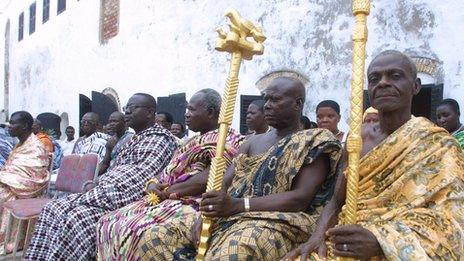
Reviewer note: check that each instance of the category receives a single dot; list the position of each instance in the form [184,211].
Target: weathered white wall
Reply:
[166,47]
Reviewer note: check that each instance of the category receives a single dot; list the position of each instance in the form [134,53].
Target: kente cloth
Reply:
[6,145]
[119,145]
[460,137]
[411,193]
[95,144]
[25,175]
[46,140]
[118,233]
[266,235]
[66,228]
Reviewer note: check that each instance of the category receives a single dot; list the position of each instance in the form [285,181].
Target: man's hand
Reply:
[111,142]
[219,204]
[314,244]
[354,241]
[158,189]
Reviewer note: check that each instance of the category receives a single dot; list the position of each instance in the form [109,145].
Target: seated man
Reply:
[279,182]
[120,135]
[25,173]
[67,144]
[92,141]
[165,119]
[184,178]
[411,189]
[66,228]
[42,136]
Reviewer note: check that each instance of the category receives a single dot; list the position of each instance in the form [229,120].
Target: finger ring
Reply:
[345,247]
[210,207]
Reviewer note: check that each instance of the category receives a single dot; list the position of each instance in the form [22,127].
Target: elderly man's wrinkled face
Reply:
[89,124]
[391,83]
[281,104]
[197,116]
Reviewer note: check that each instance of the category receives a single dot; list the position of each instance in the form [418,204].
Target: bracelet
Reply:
[150,182]
[246,203]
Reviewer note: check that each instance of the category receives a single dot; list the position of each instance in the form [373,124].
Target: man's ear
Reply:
[299,103]
[417,86]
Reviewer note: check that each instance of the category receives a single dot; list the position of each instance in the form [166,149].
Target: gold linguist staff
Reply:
[235,42]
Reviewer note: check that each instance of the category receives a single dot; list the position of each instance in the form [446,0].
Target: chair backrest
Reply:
[75,170]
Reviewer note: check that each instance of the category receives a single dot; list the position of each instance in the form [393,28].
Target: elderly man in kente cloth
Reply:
[66,228]
[411,190]
[276,186]
[25,174]
[179,186]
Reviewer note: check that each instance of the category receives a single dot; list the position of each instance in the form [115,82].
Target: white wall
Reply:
[165,47]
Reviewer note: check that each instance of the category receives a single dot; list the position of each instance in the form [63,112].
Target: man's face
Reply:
[136,112]
[254,117]
[391,84]
[281,106]
[447,118]
[176,129]
[327,118]
[16,128]
[197,116]
[161,120]
[88,124]
[69,133]
[116,123]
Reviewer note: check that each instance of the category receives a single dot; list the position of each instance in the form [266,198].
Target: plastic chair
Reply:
[75,173]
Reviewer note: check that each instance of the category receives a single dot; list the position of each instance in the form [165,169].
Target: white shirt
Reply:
[67,146]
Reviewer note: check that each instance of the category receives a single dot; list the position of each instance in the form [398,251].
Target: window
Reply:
[61,6]
[21,27]
[46,11]
[32,18]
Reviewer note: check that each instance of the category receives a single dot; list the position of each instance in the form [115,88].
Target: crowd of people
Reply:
[283,190]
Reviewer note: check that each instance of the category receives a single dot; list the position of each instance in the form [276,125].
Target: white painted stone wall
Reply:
[166,47]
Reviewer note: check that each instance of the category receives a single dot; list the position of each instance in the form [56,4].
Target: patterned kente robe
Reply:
[66,228]
[256,235]
[95,143]
[411,193]
[118,232]
[25,175]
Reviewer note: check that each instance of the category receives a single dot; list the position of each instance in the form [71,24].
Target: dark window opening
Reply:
[46,11]
[32,18]
[21,27]
[61,6]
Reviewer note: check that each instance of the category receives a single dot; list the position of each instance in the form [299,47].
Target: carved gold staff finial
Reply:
[237,42]
[361,10]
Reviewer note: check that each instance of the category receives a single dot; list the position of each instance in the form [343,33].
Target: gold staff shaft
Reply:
[354,142]
[238,42]
[218,165]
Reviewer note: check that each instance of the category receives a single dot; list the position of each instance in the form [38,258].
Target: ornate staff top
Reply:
[236,38]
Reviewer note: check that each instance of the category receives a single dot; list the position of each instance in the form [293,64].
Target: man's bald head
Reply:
[406,61]
[284,98]
[89,123]
[290,86]
[144,99]
[117,115]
